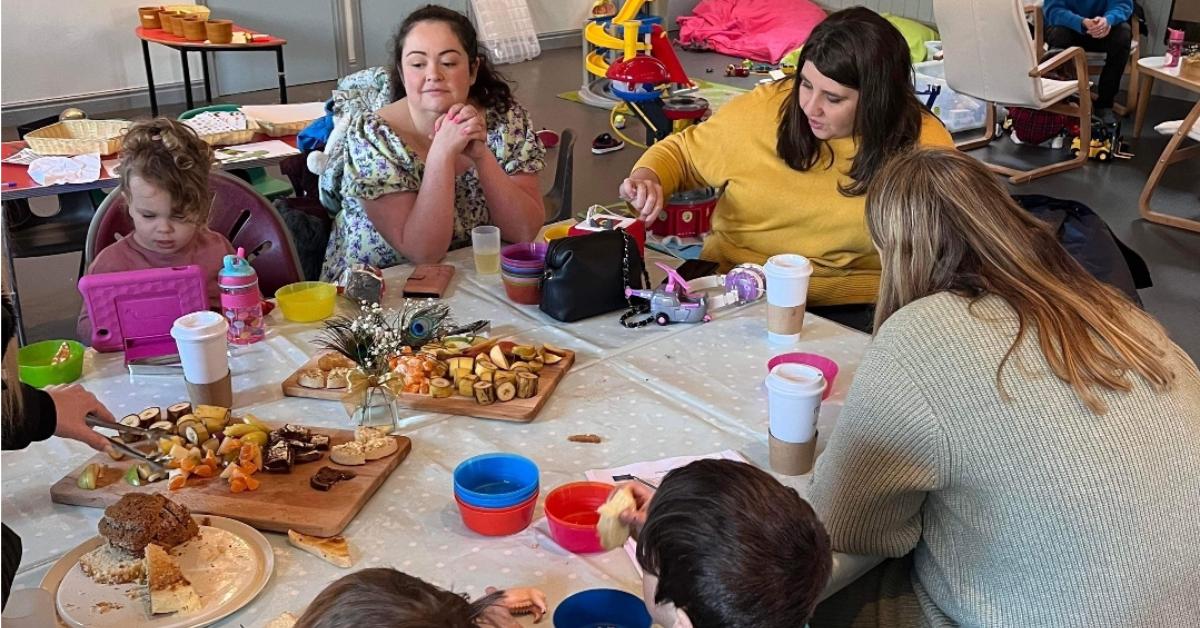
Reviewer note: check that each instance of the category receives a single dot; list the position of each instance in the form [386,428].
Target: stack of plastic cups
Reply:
[496,493]
[521,268]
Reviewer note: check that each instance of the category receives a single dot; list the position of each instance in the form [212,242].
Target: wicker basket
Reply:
[281,129]
[229,138]
[1189,68]
[78,137]
[198,10]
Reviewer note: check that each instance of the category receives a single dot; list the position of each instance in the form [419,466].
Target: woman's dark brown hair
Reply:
[859,49]
[170,156]
[386,598]
[491,90]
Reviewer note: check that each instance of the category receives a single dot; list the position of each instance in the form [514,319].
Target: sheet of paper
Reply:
[24,157]
[254,151]
[653,473]
[59,170]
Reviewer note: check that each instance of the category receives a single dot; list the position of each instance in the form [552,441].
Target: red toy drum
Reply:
[633,226]
[686,215]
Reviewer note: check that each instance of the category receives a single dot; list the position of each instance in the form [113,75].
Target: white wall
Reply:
[72,48]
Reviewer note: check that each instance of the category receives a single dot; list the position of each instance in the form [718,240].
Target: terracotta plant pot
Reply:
[219,31]
[193,29]
[149,17]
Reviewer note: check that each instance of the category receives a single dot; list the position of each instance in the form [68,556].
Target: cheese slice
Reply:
[334,549]
[170,592]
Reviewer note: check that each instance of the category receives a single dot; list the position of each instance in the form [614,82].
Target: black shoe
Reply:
[1107,116]
[605,143]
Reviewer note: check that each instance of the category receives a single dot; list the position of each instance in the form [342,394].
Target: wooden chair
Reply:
[1095,60]
[1189,127]
[991,56]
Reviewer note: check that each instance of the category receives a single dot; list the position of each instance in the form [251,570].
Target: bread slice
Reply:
[170,592]
[334,549]
[350,454]
[111,565]
[338,377]
[311,378]
[380,448]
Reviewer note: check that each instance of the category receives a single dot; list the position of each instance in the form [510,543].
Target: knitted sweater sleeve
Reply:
[885,456]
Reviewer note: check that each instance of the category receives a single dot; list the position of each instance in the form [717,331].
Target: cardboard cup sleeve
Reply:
[792,458]
[218,393]
[785,321]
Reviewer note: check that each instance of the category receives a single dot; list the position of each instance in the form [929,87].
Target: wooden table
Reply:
[1150,69]
[184,46]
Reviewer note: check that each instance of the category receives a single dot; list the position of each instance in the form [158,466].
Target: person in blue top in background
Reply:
[1095,26]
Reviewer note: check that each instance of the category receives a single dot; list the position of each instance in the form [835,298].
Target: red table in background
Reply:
[165,38]
[18,185]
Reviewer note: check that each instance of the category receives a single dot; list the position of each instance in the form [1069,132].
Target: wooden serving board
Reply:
[283,501]
[516,410]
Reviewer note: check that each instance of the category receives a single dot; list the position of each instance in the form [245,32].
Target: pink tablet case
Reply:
[133,311]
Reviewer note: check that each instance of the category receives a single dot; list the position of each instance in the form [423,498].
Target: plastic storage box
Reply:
[957,111]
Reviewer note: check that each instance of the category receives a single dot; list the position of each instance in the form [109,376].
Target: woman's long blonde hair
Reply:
[942,222]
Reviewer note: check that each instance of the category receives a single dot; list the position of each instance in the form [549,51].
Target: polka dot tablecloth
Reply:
[649,393]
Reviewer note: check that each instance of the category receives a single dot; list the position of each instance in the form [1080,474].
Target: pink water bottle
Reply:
[241,302]
[1174,48]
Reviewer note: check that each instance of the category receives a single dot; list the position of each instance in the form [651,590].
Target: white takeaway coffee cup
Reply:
[793,407]
[201,340]
[787,296]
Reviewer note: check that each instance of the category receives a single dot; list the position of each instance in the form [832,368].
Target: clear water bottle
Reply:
[241,301]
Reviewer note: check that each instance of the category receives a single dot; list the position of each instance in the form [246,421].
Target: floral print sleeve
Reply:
[512,138]
[377,161]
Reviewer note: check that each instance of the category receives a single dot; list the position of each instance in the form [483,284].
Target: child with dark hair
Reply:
[725,545]
[387,598]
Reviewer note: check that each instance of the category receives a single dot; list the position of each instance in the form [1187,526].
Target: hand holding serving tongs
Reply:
[95,421]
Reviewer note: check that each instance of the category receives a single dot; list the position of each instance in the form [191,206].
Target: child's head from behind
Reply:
[379,598]
[164,178]
[726,545]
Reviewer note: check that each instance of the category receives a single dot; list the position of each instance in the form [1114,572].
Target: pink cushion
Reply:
[763,30]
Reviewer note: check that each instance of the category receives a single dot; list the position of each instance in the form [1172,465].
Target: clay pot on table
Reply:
[193,29]
[148,16]
[219,31]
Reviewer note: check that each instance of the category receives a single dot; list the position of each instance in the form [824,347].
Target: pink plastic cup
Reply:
[828,367]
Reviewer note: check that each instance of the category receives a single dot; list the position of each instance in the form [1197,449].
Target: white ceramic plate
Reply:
[228,564]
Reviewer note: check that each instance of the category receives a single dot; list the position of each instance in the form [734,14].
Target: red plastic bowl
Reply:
[828,367]
[571,513]
[527,294]
[498,521]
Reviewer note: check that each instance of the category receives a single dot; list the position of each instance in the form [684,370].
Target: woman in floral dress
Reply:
[452,151]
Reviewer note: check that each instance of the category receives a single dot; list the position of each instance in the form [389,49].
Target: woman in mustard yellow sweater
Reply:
[794,157]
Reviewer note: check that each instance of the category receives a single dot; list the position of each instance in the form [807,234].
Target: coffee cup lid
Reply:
[788,265]
[200,325]
[796,379]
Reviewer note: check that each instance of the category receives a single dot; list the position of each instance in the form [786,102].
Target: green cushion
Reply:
[915,33]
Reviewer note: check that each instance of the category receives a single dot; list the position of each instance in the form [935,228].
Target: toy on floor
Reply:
[605,143]
[1107,143]
[682,301]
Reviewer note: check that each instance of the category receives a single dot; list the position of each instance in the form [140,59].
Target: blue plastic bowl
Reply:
[607,608]
[497,480]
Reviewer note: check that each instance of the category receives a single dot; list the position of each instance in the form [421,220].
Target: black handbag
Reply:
[586,275]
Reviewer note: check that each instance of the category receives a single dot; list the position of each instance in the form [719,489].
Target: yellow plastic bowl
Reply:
[556,232]
[306,301]
[34,368]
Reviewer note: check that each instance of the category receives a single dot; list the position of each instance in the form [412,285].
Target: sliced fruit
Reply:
[206,411]
[212,444]
[131,420]
[132,477]
[150,415]
[229,445]
[178,482]
[238,430]
[165,426]
[535,366]
[165,445]
[204,471]
[551,358]
[506,346]
[214,426]
[525,352]
[182,426]
[498,357]
[485,394]
[115,454]
[483,367]
[178,410]
[258,438]
[87,480]
[440,387]
[143,470]
[522,367]
[505,391]
[157,476]
[178,452]
[250,419]
[196,433]
[549,348]
[527,385]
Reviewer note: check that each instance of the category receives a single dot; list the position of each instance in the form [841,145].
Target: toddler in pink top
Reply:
[164,178]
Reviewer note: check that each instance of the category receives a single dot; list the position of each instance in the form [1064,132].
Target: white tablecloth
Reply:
[650,393]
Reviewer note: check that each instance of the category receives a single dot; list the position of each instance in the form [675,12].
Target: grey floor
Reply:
[51,302]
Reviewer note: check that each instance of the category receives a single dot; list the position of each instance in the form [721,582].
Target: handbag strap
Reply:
[634,310]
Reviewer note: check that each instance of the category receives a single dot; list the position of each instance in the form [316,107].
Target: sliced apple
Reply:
[498,357]
[549,348]
[551,358]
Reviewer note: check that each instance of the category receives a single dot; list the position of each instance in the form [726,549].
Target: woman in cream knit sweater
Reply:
[1019,434]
